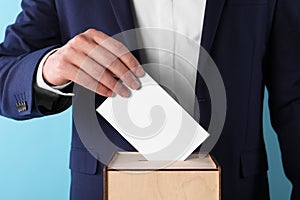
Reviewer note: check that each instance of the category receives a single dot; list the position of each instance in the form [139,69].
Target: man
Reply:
[253,42]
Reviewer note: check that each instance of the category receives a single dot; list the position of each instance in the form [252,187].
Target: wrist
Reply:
[44,84]
[51,76]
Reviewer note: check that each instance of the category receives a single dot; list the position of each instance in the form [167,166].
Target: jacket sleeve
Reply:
[282,76]
[35,32]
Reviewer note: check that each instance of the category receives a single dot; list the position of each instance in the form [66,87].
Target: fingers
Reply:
[95,61]
[81,78]
[114,65]
[98,73]
[118,49]
[109,60]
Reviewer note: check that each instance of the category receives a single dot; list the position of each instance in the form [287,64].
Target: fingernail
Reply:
[135,85]
[125,93]
[110,93]
[140,71]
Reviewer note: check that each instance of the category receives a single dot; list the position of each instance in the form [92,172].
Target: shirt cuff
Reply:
[41,82]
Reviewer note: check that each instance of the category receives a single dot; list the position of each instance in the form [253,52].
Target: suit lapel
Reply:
[123,13]
[213,14]
[212,17]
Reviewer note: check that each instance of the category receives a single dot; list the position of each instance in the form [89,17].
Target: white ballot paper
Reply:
[153,122]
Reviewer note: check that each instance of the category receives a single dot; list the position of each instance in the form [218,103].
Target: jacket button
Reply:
[21,106]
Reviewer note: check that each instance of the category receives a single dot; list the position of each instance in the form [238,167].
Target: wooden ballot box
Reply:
[128,176]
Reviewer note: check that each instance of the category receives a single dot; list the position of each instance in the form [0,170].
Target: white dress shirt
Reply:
[184,21]
[181,24]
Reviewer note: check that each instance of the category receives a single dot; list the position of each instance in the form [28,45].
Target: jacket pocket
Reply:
[253,162]
[83,161]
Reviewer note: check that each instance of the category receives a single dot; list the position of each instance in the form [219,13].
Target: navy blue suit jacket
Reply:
[253,42]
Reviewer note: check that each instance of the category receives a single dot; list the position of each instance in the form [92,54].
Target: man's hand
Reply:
[95,61]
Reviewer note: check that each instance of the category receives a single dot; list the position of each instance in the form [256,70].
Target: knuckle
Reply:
[111,60]
[130,77]
[120,49]
[112,83]
[131,61]
[68,50]
[127,76]
[99,74]
[78,40]
[119,46]
[90,31]
[113,63]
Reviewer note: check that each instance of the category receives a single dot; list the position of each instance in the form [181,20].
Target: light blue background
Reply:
[34,154]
